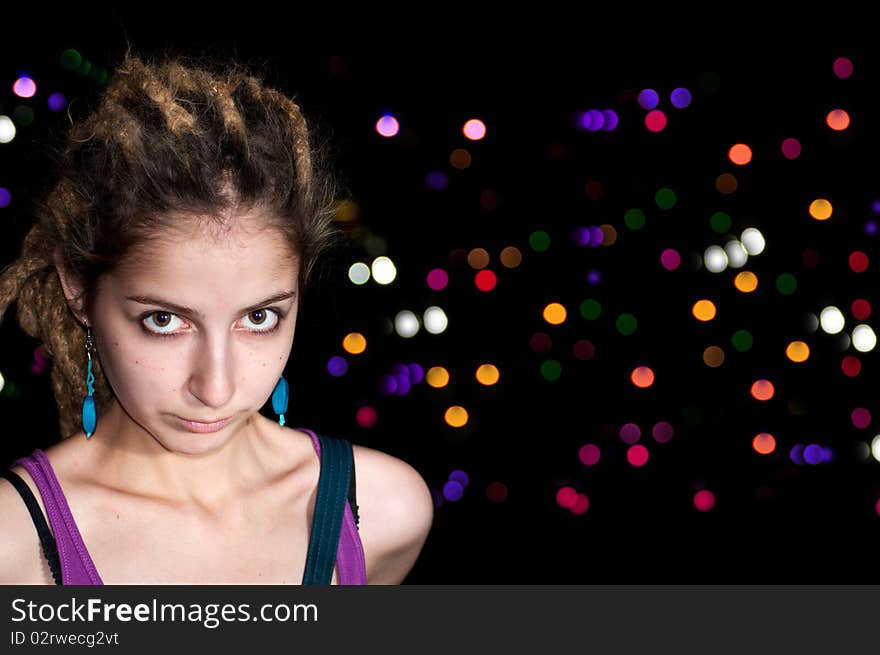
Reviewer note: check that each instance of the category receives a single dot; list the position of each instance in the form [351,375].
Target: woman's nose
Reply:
[212,380]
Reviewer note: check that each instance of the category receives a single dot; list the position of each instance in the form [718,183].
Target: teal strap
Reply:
[333,485]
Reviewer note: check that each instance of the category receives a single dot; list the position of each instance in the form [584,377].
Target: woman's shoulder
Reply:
[23,561]
[396,511]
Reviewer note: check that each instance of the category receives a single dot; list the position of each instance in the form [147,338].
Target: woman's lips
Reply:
[195,426]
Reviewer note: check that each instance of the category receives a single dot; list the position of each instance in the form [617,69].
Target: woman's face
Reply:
[198,326]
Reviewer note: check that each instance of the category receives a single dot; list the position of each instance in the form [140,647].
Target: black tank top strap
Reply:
[352,495]
[47,541]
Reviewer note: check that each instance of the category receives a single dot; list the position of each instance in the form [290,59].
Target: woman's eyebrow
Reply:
[189,311]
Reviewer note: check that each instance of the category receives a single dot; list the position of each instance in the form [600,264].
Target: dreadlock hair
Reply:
[171,139]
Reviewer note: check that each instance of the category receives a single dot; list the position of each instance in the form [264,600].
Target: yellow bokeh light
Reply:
[510,257]
[713,357]
[554,313]
[746,281]
[740,154]
[478,258]
[726,183]
[437,377]
[837,120]
[354,343]
[609,234]
[346,211]
[460,159]
[456,416]
[821,209]
[798,351]
[487,374]
[764,443]
[704,310]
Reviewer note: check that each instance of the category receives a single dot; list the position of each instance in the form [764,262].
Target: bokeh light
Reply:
[496,492]
[821,209]
[704,310]
[746,281]
[554,313]
[680,98]
[437,377]
[7,129]
[797,351]
[387,126]
[435,320]
[764,443]
[637,455]
[831,320]
[642,377]
[704,500]
[487,374]
[655,121]
[474,129]
[791,148]
[662,432]
[337,366]
[648,98]
[406,324]
[437,279]
[843,67]
[456,416]
[837,120]
[670,259]
[384,271]
[589,454]
[861,417]
[762,390]
[354,343]
[740,154]
[24,87]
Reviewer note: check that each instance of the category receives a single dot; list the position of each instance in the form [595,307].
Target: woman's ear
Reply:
[72,287]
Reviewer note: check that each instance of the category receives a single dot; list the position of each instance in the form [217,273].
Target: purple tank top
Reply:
[77,567]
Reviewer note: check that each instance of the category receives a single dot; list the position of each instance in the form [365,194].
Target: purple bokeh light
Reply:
[648,98]
[337,366]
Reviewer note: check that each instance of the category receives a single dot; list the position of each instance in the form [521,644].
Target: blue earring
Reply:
[89,415]
[279,399]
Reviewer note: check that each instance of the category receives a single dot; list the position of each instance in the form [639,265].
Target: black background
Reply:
[526,76]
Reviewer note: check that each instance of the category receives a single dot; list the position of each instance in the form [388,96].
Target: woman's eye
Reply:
[262,320]
[161,321]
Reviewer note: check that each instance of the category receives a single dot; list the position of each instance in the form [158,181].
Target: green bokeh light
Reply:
[720,222]
[590,309]
[786,284]
[551,369]
[742,340]
[23,115]
[71,60]
[626,324]
[665,198]
[539,241]
[634,219]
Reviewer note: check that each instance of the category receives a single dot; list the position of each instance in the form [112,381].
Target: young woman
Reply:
[164,275]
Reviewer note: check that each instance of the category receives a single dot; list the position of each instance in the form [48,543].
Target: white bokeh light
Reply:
[2,382]
[811,322]
[863,338]
[875,447]
[831,319]
[435,320]
[736,253]
[359,273]
[715,259]
[7,129]
[384,270]
[406,324]
[753,241]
